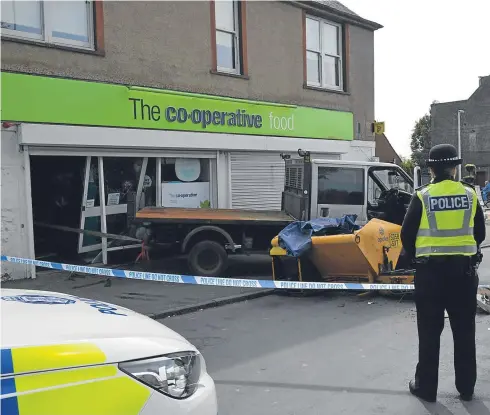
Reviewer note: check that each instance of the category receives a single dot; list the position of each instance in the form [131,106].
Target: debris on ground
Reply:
[483,299]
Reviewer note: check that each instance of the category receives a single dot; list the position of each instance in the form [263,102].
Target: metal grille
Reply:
[294,174]
[294,177]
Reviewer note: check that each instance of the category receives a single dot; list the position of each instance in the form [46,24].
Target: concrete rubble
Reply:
[483,299]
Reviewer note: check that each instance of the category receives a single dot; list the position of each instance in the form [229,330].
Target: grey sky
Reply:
[428,50]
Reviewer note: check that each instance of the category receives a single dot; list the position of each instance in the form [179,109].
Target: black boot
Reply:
[415,390]
[466,397]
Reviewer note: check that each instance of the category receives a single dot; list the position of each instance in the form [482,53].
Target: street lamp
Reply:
[459,141]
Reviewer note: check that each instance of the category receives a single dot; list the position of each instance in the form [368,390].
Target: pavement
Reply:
[155,299]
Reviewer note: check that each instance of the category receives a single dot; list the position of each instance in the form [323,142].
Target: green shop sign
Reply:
[38,99]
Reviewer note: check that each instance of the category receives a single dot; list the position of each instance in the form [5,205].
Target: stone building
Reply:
[138,94]
[475,128]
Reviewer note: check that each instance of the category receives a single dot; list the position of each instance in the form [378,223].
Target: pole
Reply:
[460,177]
[103,213]
[28,198]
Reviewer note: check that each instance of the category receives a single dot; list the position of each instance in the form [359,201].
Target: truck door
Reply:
[338,190]
[383,180]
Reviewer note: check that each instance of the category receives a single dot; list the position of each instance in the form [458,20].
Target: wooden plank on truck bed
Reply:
[212,216]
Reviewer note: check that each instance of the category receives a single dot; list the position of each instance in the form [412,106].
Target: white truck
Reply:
[313,188]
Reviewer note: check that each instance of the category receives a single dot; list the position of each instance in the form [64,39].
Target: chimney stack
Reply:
[483,79]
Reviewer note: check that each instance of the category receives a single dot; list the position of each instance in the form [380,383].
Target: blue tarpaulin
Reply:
[296,237]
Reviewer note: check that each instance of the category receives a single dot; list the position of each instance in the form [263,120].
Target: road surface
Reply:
[484,269]
[329,354]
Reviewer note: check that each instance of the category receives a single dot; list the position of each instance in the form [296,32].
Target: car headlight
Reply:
[176,375]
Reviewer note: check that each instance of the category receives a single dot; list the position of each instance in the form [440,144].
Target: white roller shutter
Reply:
[257,181]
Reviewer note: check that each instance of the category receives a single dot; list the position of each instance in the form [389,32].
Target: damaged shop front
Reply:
[86,156]
[98,191]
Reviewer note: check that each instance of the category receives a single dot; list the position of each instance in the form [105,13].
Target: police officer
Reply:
[442,232]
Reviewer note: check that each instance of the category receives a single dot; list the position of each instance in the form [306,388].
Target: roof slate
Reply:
[337,5]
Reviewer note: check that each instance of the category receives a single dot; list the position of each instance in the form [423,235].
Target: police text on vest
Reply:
[442,203]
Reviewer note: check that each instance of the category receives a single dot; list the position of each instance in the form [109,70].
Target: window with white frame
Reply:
[323,54]
[227,36]
[65,23]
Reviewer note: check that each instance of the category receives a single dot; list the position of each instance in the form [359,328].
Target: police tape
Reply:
[210,281]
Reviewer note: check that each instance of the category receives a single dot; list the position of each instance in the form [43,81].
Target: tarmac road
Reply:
[484,269]
[334,354]
[329,354]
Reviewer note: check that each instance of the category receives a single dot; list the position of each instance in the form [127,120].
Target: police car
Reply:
[66,355]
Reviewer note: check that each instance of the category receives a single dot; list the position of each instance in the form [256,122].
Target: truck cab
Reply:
[332,188]
[377,193]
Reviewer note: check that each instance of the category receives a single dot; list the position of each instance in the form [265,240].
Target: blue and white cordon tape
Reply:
[213,281]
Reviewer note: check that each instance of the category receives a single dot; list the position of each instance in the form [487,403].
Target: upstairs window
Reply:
[228,36]
[64,23]
[324,54]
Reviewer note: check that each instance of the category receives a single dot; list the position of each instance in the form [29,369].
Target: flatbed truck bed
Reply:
[207,236]
[212,216]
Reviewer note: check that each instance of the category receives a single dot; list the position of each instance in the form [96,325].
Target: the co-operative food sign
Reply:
[67,101]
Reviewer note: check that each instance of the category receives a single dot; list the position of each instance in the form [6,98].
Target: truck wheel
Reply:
[207,259]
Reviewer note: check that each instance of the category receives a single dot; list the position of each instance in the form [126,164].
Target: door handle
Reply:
[324,212]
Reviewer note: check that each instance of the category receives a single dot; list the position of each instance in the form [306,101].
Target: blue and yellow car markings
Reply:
[59,356]
[10,406]
[7,364]
[94,390]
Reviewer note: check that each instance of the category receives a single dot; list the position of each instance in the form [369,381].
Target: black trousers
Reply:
[445,284]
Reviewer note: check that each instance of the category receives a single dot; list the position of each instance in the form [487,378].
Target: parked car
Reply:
[66,355]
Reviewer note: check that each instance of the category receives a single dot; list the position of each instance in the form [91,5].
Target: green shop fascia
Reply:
[48,100]
[237,142]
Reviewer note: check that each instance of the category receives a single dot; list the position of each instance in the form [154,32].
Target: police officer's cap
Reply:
[443,154]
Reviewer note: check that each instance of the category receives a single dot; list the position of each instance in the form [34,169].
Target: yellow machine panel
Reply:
[358,254]
[365,255]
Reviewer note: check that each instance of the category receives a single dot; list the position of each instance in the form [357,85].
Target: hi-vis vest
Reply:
[446,226]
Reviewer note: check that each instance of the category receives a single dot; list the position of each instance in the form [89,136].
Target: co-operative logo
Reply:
[182,195]
[38,299]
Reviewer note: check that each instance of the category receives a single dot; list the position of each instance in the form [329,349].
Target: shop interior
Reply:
[57,189]
[67,190]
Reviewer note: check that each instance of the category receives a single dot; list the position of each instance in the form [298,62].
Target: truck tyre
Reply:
[207,259]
